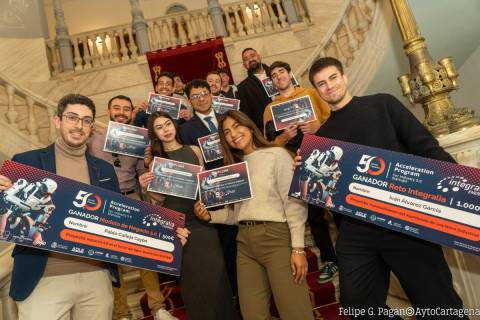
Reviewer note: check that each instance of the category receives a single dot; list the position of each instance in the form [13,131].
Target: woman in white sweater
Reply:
[271,256]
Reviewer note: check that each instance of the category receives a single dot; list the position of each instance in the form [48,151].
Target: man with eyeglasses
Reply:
[120,109]
[164,86]
[48,285]
[203,123]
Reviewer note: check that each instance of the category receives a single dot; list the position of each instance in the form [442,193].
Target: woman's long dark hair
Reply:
[231,155]
[157,145]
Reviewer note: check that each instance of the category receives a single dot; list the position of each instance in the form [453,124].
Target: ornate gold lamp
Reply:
[429,83]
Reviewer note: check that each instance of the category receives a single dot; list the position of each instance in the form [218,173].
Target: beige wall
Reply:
[469,94]
[22,19]
[86,15]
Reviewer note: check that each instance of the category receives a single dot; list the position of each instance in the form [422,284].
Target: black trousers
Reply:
[366,255]
[320,232]
[228,239]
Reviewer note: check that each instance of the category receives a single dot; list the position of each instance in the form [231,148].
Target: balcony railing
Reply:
[179,29]
[119,44]
[98,48]
[27,113]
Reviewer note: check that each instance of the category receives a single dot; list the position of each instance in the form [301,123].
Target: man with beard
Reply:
[214,80]
[367,253]
[49,285]
[164,86]
[252,95]
[228,90]
[127,168]
[179,86]
[291,138]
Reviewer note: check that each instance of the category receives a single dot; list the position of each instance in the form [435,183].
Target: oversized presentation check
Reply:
[433,200]
[53,213]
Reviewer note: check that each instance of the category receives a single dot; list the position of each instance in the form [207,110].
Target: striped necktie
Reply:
[211,125]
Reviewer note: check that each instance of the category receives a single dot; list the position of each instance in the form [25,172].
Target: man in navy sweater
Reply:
[49,285]
[367,253]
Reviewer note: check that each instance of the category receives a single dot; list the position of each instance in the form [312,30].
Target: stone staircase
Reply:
[333,27]
[25,118]
[28,102]
[323,298]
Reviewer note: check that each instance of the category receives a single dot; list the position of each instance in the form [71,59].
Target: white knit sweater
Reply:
[270,174]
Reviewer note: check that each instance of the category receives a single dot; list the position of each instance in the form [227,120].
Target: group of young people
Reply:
[270,258]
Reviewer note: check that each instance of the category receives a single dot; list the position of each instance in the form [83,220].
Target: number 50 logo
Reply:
[371,165]
[87,200]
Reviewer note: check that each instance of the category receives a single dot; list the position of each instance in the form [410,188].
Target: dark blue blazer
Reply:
[193,129]
[29,263]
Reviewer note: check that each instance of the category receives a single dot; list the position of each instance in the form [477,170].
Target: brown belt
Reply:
[253,222]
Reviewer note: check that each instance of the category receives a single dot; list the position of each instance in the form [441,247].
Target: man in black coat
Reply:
[251,92]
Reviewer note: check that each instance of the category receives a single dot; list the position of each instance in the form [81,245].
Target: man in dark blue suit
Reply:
[203,123]
[49,285]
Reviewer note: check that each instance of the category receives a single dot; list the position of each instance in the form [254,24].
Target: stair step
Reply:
[312,260]
[133,306]
[180,313]
[321,294]
[172,294]
[329,312]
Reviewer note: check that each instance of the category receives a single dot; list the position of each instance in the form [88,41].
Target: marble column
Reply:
[140,27]
[290,11]
[62,38]
[216,14]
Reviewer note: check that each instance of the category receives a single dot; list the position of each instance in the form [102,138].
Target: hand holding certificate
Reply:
[210,147]
[225,185]
[126,139]
[170,105]
[53,213]
[174,178]
[294,111]
[270,88]
[433,200]
[224,104]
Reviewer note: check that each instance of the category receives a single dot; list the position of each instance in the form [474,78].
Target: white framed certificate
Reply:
[298,110]
[170,105]
[126,139]
[225,185]
[174,178]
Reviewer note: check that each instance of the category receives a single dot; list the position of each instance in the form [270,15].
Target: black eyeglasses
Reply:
[117,163]
[73,118]
[199,95]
